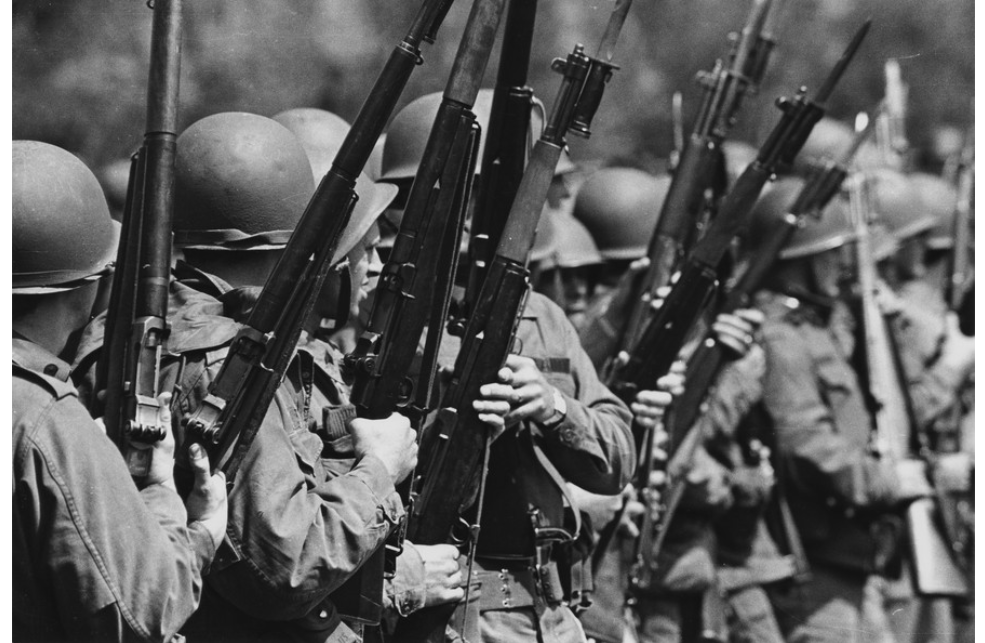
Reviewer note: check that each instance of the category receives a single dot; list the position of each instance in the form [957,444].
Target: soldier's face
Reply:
[910,258]
[364,270]
[830,270]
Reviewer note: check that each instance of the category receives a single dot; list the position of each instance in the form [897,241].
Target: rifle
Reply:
[666,333]
[455,450]
[415,285]
[961,272]
[505,151]
[259,355]
[136,324]
[708,358]
[935,572]
[891,128]
[229,417]
[724,90]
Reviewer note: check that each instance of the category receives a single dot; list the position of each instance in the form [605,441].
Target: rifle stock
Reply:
[505,152]
[136,325]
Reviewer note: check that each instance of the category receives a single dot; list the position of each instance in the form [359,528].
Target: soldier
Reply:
[568,273]
[620,204]
[426,575]
[297,529]
[564,426]
[95,558]
[935,357]
[844,498]
[619,207]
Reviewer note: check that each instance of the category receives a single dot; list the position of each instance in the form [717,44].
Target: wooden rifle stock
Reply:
[136,323]
[506,147]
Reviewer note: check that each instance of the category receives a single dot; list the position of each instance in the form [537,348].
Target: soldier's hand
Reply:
[649,406]
[913,482]
[391,440]
[952,472]
[161,470]
[887,300]
[958,351]
[531,396]
[206,504]
[494,404]
[738,330]
[443,579]
[601,509]
[630,518]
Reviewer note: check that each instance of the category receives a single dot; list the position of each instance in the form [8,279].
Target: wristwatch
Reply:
[560,411]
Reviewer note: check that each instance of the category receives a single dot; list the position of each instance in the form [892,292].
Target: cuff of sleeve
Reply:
[164,501]
[407,589]
[202,545]
[374,474]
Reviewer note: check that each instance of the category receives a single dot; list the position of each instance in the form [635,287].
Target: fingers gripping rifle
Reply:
[505,155]
[238,398]
[136,324]
[724,90]
[455,450]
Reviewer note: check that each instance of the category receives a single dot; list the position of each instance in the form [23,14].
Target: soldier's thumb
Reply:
[199,461]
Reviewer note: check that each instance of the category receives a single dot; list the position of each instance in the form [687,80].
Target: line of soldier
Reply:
[264,557]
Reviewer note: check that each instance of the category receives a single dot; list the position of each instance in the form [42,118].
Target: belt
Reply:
[534,586]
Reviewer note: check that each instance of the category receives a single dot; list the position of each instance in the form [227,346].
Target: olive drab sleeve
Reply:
[94,558]
[592,447]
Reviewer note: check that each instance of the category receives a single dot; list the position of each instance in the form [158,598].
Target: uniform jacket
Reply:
[591,448]
[93,557]
[919,331]
[297,530]
[841,496]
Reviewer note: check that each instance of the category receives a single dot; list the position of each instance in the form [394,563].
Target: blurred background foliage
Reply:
[80,66]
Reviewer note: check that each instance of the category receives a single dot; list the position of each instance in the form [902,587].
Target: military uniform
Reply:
[297,529]
[591,447]
[94,558]
[842,498]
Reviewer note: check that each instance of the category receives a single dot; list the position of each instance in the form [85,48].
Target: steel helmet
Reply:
[884,244]
[816,235]
[544,249]
[321,135]
[897,204]
[408,135]
[738,156]
[62,232]
[574,244]
[620,206]
[115,179]
[829,140]
[241,183]
[940,199]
